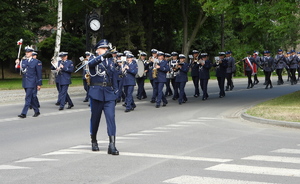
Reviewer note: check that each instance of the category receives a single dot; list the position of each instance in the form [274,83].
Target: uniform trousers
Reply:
[64,96]
[175,88]
[229,80]
[160,95]
[86,87]
[182,95]
[268,78]
[168,87]
[154,90]
[196,84]
[141,89]
[221,83]
[249,75]
[129,97]
[58,89]
[29,101]
[279,74]
[121,94]
[35,98]
[293,74]
[203,84]
[96,111]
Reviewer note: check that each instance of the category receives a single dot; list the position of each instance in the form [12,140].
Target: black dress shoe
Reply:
[61,108]
[157,106]
[22,115]
[36,114]
[95,146]
[152,101]
[70,106]
[85,100]
[57,103]
[164,104]
[196,96]
[144,97]
[204,99]
[127,110]
[139,98]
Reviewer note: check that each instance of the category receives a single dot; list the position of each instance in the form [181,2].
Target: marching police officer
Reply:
[173,63]
[230,70]
[204,75]
[162,68]
[221,67]
[65,68]
[152,62]
[103,93]
[140,80]
[31,71]
[249,69]
[129,70]
[280,64]
[257,59]
[182,78]
[268,67]
[34,56]
[86,86]
[169,91]
[195,72]
[293,65]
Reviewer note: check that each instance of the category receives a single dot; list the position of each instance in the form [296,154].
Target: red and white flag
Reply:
[20,42]
[249,64]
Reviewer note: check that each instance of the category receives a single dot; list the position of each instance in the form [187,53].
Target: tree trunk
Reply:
[187,42]
[58,37]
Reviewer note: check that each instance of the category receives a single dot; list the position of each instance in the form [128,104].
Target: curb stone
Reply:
[270,122]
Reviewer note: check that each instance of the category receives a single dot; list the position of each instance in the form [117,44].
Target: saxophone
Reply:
[87,75]
[154,70]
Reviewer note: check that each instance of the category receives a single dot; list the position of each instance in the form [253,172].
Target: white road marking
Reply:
[190,122]
[208,118]
[205,159]
[255,170]
[294,160]
[165,128]
[153,131]
[285,150]
[207,180]
[11,167]
[176,125]
[36,160]
[137,134]
[61,152]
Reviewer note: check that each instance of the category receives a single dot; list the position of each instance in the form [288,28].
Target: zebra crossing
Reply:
[280,157]
[285,161]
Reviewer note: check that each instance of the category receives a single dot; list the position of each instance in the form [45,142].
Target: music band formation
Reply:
[110,77]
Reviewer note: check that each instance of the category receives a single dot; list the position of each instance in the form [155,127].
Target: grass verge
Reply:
[283,108]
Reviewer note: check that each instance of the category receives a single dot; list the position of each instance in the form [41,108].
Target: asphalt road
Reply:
[203,142]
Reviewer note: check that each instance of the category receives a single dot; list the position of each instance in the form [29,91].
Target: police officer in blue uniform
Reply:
[86,87]
[140,80]
[65,68]
[268,66]
[221,67]
[230,70]
[249,67]
[204,75]
[195,72]
[182,78]
[162,68]
[280,64]
[152,61]
[293,65]
[169,91]
[173,64]
[31,71]
[103,94]
[35,98]
[130,70]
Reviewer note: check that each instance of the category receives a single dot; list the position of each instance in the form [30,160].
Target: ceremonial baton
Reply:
[20,42]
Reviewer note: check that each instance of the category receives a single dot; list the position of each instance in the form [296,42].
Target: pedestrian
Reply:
[31,71]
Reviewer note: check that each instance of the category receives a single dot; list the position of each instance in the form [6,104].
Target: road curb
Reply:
[270,122]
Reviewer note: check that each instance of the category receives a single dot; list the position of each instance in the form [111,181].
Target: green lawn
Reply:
[283,108]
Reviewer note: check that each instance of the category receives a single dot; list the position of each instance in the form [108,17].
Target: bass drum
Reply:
[141,69]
